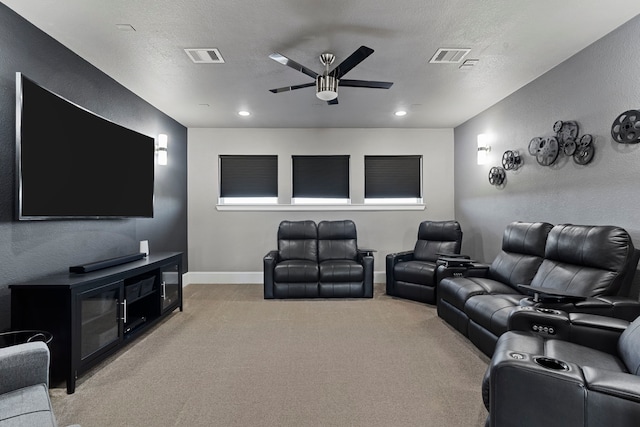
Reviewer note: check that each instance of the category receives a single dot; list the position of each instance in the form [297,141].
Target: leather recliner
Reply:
[593,262]
[533,380]
[522,252]
[412,274]
[317,261]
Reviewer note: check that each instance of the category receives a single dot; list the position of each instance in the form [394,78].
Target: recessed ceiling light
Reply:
[400,113]
[244,113]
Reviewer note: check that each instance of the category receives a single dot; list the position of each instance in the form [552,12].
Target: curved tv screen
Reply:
[72,163]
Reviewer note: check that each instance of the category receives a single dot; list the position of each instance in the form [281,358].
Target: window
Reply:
[392,179]
[248,179]
[320,179]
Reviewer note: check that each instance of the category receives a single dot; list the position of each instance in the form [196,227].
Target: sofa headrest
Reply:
[337,230]
[441,231]
[436,237]
[597,246]
[298,240]
[527,238]
[337,240]
[297,230]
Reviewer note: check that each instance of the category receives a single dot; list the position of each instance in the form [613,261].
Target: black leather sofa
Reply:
[582,268]
[318,261]
[412,274]
[535,380]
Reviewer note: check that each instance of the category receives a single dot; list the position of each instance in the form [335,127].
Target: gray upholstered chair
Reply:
[24,386]
[412,274]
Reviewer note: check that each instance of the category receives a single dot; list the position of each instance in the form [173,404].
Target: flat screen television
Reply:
[72,163]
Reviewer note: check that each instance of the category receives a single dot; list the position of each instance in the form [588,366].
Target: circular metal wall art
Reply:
[497,176]
[548,151]
[534,145]
[511,160]
[626,127]
[569,147]
[566,131]
[584,155]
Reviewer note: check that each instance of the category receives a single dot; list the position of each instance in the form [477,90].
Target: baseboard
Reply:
[236,277]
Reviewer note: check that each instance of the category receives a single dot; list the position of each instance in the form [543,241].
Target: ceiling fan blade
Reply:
[293,64]
[288,88]
[333,102]
[356,57]
[365,83]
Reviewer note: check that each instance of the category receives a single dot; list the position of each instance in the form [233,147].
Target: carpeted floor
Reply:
[234,359]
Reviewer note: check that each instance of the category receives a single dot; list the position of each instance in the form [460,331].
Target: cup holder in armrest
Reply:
[553,364]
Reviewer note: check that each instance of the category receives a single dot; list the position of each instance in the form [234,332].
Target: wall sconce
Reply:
[161,149]
[483,148]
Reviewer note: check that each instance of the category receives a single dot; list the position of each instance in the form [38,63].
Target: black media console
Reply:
[91,315]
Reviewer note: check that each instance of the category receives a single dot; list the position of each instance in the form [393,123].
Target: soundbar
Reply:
[99,265]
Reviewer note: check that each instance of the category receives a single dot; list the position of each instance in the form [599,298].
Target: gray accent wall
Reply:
[593,87]
[30,249]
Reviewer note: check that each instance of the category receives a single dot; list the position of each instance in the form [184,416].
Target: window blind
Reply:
[248,176]
[392,176]
[321,176]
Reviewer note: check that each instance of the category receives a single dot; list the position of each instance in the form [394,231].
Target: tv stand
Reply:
[92,315]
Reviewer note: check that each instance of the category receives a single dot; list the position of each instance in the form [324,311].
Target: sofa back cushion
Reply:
[298,240]
[586,259]
[337,240]
[523,246]
[436,237]
[629,347]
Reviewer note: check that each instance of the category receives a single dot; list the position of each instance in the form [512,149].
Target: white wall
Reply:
[236,241]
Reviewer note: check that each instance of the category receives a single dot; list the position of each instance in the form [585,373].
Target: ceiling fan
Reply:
[327,82]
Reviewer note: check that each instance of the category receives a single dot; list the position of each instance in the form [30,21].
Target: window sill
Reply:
[302,208]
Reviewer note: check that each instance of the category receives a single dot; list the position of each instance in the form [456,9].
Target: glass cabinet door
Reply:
[171,287]
[100,319]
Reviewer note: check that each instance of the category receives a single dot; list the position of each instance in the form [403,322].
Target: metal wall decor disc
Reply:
[557,126]
[626,127]
[585,140]
[534,145]
[496,176]
[584,155]
[569,147]
[549,151]
[569,130]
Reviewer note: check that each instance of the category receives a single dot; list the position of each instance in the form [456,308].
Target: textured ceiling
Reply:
[514,40]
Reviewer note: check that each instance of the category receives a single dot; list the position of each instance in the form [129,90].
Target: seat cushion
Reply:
[28,406]
[457,290]
[295,271]
[419,272]
[341,271]
[492,311]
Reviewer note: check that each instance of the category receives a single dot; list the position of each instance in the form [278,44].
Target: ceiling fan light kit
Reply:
[327,83]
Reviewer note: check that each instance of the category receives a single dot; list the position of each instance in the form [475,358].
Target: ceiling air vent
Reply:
[205,56]
[449,55]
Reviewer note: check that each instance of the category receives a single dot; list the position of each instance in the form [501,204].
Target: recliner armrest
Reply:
[400,256]
[611,306]
[471,270]
[24,365]
[269,263]
[618,384]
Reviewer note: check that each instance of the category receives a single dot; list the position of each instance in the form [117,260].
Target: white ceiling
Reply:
[514,40]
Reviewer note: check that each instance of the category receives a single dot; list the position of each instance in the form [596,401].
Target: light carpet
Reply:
[234,359]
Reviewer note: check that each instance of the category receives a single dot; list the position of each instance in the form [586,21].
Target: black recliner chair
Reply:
[412,274]
[534,380]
